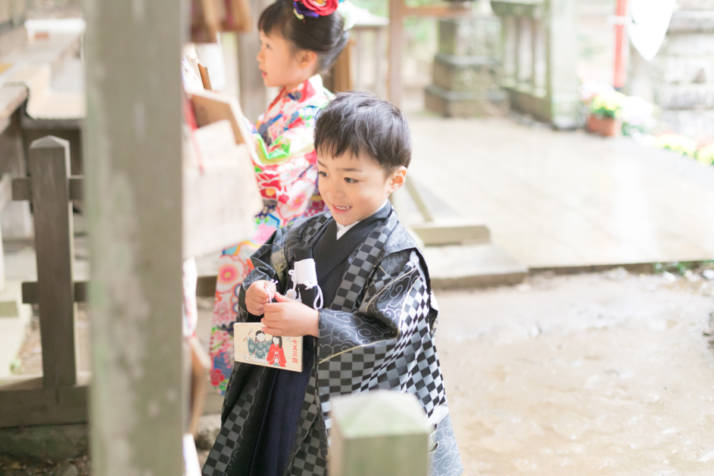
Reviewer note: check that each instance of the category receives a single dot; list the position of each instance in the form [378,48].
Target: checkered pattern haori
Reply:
[221,457]
[376,334]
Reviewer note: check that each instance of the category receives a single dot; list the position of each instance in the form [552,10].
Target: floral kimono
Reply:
[376,332]
[286,172]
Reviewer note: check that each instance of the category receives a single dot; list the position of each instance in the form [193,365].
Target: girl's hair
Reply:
[280,340]
[325,35]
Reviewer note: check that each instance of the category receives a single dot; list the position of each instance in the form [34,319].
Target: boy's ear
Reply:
[397,179]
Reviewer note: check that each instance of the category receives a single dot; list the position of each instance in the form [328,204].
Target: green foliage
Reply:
[377,7]
[681,267]
[607,104]
[705,155]
[420,32]
[677,143]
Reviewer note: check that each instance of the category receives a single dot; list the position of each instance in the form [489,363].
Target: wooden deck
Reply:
[568,199]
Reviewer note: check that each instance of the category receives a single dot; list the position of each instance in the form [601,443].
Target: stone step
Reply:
[695,4]
[699,123]
[689,96]
[464,266]
[458,251]
[688,44]
[679,70]
[686,21]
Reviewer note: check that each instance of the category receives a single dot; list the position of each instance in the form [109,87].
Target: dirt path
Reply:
[590,374]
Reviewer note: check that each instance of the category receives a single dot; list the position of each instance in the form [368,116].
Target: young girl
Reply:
[298,40]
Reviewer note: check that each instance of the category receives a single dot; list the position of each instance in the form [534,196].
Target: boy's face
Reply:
[279,63]
[354,187]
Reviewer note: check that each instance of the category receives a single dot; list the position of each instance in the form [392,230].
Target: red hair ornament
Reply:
[314,8]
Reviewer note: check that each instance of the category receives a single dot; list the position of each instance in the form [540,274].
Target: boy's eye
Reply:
[350,180]
[321,173]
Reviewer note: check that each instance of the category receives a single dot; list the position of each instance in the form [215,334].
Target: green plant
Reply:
[676,267]
[705,155]
[678,143]
[607,104]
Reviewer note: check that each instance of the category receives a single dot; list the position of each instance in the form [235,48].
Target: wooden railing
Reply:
[59,395]
[538,58]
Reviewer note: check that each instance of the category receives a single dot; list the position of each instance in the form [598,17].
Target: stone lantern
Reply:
[464,75]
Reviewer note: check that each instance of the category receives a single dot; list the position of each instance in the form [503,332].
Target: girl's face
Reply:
[276,341]
[280,64]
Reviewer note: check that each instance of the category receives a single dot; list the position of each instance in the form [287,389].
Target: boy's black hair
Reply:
[324,35]
[357,123]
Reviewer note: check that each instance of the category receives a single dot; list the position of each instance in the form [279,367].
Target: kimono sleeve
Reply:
[269,265]
[387,344]
[296,138]
[394,299]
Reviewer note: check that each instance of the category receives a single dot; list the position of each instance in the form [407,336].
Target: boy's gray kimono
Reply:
[376,334]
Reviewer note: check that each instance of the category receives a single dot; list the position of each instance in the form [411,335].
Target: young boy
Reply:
[376,328]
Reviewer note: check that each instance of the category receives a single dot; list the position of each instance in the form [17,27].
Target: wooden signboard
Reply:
[220,192]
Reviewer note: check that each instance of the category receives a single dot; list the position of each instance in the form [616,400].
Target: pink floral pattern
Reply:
[286,172]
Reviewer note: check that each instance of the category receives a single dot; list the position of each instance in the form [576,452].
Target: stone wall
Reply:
[680,79]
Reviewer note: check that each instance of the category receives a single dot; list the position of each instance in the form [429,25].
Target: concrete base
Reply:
[464,104]
[43,443]
[472,266]
[475,74]
[14,319]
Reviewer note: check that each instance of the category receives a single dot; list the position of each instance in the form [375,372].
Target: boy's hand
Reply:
[258,294]
[290,318]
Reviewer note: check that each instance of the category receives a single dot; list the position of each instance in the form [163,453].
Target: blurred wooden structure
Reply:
[398,11]
[348,72]
[538,55]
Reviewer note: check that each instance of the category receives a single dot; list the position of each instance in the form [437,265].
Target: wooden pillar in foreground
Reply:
[132,151]
[381,432]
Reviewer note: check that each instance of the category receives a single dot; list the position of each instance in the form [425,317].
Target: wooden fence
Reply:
[59,395]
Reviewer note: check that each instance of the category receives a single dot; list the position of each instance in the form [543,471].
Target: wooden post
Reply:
[133,186]
[253,95]
[396,41]
[15,218]
[48,165]
[5,198]
[382,432]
